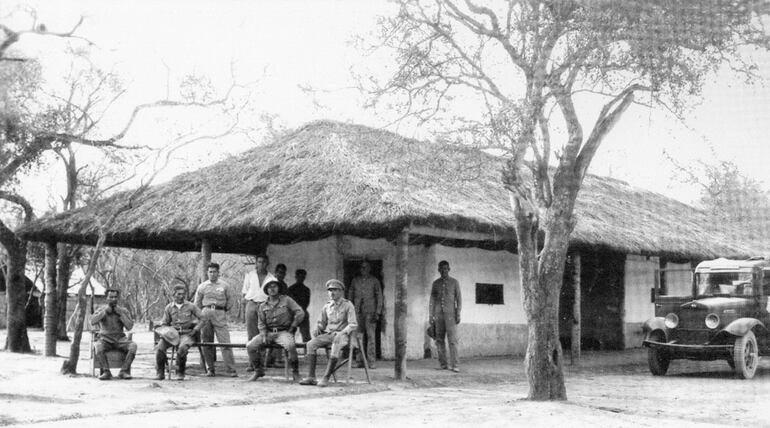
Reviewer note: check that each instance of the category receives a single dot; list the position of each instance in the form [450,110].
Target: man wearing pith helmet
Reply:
[338,319]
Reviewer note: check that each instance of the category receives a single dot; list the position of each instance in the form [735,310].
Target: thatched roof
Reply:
[329,177]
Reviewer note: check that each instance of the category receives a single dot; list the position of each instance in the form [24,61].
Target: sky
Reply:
[281,46]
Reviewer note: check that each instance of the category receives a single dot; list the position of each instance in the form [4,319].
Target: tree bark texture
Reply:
[51,312]
[63,273]
[400,304]
[17,339]
[541,275]
[576,324]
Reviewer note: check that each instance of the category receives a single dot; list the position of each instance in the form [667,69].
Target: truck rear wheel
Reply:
[745,356]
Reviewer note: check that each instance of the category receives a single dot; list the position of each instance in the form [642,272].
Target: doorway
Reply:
[351,269]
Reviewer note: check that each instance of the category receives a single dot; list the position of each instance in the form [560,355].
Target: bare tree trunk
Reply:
[17,339]
[400,304]
[63,272]
[70,366]
[49,322]
[576,314]
[541,283]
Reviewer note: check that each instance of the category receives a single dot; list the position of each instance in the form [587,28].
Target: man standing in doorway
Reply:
[445,306]
[300,293]
[254,295]
[366,295]
[215,298]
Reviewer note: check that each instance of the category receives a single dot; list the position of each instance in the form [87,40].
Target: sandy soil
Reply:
[606,389]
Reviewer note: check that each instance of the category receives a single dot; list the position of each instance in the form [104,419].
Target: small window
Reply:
[489,294]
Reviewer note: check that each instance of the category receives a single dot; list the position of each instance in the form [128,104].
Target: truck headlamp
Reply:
[712,321]
[672,320]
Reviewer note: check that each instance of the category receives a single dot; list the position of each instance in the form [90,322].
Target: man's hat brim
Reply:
[169,334]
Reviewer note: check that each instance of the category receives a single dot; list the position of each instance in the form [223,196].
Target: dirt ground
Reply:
[608,389]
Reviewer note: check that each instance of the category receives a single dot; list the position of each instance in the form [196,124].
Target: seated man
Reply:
[278,318]
[338,319]
[185,318]
[112,319]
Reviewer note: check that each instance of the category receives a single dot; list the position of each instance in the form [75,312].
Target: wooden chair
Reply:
[115,358]
[354,342]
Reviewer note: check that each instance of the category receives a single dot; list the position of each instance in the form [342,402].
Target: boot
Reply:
[310,379]
[255,359]
[125,371]
[160,365]
[295,370]
[181,367]
[105,374]
[329,368]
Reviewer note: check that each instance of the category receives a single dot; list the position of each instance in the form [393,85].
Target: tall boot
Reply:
[181,366]
[160,365]
[329,368]
[255,359]
[125,371]
[294,370]
[310,379]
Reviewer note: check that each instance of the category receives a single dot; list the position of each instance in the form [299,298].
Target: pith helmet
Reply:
[335,283]
[282,288]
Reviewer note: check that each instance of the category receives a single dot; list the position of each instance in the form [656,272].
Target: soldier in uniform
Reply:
[444,309]
[279,317]
[366,295]
[184,317]
[215,298]
[338,319]
[112,320]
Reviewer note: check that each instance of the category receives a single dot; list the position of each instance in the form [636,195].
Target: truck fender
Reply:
[742,326]
[653,324]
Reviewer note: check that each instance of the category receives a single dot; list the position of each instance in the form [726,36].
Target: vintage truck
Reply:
[726,317]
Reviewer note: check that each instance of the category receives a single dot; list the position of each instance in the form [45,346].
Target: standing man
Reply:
[253,293]
[279,316]
[338,319]
[300,293]
[366,294]
[445,306]
[185,318]
[215,298]
[112,320]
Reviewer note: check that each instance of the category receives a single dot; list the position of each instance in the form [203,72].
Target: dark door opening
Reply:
[351,269]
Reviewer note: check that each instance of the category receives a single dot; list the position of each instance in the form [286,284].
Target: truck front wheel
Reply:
[657,359]
[745,356]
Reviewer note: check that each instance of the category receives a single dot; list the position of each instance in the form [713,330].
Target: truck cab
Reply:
[725,317]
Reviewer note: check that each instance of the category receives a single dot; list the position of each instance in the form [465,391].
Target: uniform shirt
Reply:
[182,318]
[111,325]
[366,295]
[338,317]
[445,297]
[217,293]
[252,288]
[300,293]
[283,314]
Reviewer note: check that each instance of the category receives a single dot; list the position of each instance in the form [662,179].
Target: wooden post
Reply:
[50,320]
[400,303]
[205,259]
[575,351]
